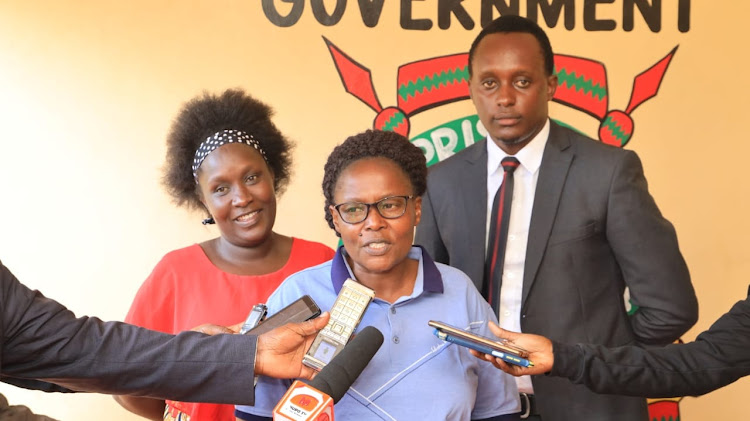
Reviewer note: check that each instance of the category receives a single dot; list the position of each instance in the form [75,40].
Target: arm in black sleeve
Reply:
[718,356]
[648,254]
[43,340]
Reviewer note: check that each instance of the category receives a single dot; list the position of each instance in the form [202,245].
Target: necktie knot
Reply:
[509,163]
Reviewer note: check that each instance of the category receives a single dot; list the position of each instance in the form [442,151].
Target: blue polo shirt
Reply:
[414,375]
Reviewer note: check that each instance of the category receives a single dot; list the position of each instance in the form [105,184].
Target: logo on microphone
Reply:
[306,402]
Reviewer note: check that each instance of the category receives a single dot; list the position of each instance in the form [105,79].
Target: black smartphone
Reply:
[500,345]
[296,312]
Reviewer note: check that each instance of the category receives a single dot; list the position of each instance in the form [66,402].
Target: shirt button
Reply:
[507,313]
[511,237]
[393,310]
[395,339]
[511,275]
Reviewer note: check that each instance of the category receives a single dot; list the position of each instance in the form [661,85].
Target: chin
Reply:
[253,241]
[376,267]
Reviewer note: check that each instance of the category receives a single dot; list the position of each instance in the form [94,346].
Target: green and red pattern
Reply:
[432,82]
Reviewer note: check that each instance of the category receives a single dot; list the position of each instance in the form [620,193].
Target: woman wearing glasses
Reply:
[373,185]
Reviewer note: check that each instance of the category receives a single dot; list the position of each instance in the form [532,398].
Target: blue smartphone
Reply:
[507,352]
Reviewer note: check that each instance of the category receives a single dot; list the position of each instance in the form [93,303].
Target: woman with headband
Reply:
[226,157]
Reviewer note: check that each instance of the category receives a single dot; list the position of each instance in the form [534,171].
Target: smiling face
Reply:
[376,245]
[236,187]
[510,88]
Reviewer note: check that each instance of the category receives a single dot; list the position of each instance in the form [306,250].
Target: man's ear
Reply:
[551,87]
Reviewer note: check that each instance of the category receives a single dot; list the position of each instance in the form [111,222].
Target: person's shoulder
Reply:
[584,144]
[459,159]
[454,279]
[183,253]
[313,281]
[181,260]
[309,277]
[462,294]
[312,249]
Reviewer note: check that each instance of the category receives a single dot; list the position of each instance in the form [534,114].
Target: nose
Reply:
[241,197]
[506,95]
[374,220]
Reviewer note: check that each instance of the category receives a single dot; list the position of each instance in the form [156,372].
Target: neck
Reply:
[235,253]
[266,257]
[392,285]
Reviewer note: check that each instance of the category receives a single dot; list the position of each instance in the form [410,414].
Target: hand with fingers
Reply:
[538,347]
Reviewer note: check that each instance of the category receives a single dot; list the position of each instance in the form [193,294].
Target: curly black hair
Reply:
[207,114]
[374,144]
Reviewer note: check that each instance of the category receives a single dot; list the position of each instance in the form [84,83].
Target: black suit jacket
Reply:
[594,230]
[718,356]
[42,340]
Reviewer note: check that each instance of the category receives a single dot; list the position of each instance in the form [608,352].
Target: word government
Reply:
[592,15]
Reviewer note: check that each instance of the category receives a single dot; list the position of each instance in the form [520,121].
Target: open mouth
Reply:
[247,217]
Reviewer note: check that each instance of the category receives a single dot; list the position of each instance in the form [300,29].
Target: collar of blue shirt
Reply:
[433,281]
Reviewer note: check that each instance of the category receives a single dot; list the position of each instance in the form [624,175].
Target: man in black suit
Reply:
[44,346]
[718,356]
[583,225]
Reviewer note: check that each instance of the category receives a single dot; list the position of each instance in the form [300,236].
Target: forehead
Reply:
[231,157]
[506,50]
[372,177]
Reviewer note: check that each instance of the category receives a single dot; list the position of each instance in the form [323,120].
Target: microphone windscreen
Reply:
[339,374]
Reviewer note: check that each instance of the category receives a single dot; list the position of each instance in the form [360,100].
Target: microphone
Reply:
[314,401]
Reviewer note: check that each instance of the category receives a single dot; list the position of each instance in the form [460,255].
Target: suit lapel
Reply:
[553,172]
[474,197]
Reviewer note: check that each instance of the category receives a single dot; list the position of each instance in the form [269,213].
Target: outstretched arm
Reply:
[718,357]
[44,340]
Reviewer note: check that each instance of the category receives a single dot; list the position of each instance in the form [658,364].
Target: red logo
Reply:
[432,82]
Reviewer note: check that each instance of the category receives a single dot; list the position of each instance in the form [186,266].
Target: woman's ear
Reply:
[336,219]
[417,210]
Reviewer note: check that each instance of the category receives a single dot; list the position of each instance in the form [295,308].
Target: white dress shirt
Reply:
[524,187]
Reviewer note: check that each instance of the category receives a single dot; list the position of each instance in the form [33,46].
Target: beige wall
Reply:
[88,89]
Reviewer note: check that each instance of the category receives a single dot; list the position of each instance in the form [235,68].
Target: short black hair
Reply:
[207,114]
[510,24]
[374,144]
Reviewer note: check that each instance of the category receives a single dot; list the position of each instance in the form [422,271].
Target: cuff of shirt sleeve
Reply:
[568,361]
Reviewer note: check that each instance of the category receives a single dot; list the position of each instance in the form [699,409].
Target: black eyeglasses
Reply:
[390,207]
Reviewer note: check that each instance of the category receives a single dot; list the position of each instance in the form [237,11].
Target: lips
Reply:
[376,247]
[248,218]
[507,120]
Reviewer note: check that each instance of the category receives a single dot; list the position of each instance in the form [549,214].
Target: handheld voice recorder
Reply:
[346,314]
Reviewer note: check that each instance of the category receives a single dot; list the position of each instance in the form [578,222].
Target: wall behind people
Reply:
[88,89]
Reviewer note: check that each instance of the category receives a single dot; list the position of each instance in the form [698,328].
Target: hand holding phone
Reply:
[500,349]
[297,312]
[346,313]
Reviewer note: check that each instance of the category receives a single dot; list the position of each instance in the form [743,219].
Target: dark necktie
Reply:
[499,234]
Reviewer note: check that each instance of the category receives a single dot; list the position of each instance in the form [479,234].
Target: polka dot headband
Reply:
[222,138]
